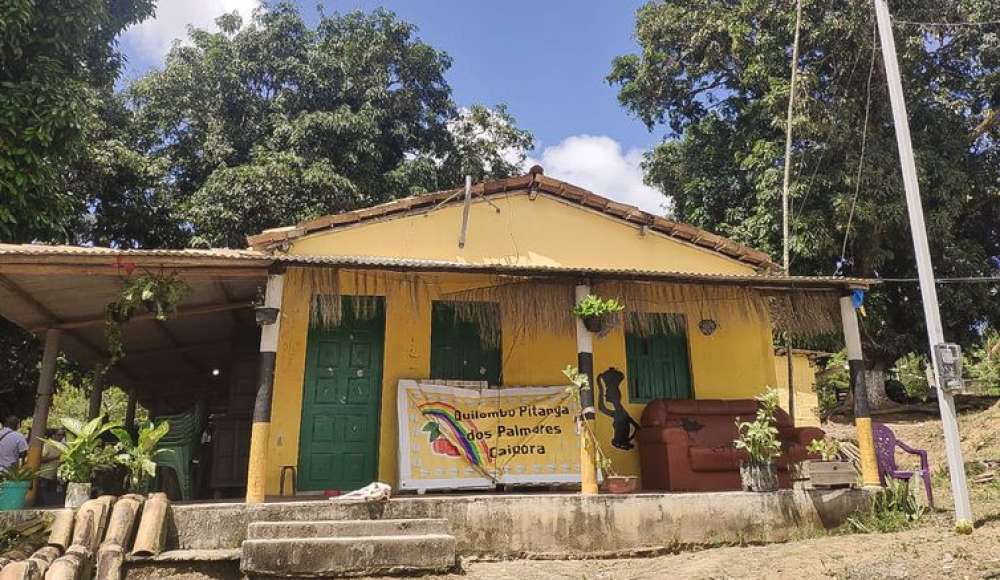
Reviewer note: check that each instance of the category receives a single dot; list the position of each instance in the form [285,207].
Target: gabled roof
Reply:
[534,183]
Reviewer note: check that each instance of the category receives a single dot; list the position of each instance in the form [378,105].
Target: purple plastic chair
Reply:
[885,450]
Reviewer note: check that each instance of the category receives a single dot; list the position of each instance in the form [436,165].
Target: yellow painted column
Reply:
[261,430]
[862,414]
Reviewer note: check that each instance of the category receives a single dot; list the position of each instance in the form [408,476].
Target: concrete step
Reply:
[347,556]
[344,528]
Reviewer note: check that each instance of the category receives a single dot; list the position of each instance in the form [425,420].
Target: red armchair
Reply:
[687,445]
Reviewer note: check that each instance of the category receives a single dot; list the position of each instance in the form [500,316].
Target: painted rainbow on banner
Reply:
[476,453]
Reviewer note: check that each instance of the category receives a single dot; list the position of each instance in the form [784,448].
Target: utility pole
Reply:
[925,271]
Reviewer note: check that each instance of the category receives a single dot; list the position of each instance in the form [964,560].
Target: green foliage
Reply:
[581,382]
[828,449]
[892,509]
[18,473]
[716,74]
[19,356]
[71,400]
[84,451]
[912,374]
[139,456]
[593,305]
[274,122]
[759,438]
[160,295]
[984,363]
[834,378]
[53,56]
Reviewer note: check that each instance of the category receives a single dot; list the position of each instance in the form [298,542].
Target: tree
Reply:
[53,54]
[715,73]
[274,122]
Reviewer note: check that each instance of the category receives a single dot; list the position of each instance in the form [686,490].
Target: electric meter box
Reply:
[948,357]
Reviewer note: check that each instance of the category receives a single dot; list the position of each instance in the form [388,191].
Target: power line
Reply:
[946,24]
[864,142]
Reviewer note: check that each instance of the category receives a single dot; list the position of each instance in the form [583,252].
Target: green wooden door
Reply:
[457,350]
[658,365]
[338,444]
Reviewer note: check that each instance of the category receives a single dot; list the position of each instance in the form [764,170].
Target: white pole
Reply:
[925,271]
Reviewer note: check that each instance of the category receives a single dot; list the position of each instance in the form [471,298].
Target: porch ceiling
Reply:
[70,292]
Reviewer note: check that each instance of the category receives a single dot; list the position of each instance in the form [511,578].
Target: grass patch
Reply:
[892,509]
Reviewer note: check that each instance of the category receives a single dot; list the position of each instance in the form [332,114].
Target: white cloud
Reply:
[151,39]
[598,163]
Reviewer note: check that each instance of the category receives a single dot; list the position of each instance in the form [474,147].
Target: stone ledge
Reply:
[554,525]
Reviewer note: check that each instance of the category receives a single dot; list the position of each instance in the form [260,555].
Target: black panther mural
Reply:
[609,401]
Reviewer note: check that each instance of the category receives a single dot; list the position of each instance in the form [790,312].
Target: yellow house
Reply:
[517,248]
[475,286]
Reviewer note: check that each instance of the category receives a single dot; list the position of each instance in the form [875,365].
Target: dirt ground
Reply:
[930,550]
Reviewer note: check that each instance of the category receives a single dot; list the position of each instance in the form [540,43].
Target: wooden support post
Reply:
[261,430]
[130,412]
[862,415]
[43,400]
[96,396]
[585,364]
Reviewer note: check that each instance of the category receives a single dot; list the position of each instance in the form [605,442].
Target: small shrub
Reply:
[759,438]
[827,449]
[984,363]
[912,374]
[892,509]
[833,379]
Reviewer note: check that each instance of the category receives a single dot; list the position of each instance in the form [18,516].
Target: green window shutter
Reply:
[658,364]
[457,348]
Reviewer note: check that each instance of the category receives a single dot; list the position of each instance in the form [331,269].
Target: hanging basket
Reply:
[759,477]
[595,323]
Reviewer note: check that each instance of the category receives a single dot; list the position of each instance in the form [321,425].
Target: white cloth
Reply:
[372,492]
[12,445]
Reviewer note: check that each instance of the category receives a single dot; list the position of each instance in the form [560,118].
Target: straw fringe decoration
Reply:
[527,308]
[805,314]
[530,307]
[326,285]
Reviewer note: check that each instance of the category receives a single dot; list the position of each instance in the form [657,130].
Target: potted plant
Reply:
[159,295]
[81,455]
[613,482]
[759,438]
[138,456]
[829,470]
[14,485]
[597,312]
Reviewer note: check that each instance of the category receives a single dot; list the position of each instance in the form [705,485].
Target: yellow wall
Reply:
[804,376]
[736,361]
[546,231]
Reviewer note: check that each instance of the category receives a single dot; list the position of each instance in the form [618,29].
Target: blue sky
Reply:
[545,59]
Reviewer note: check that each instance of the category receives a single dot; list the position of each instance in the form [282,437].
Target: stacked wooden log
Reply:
[92,541]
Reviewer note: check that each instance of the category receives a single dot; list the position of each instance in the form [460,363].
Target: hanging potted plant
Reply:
[159,295]
[598,314]
[613,482]
[138,456]
[81,455]
[14,485]
[759,438]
